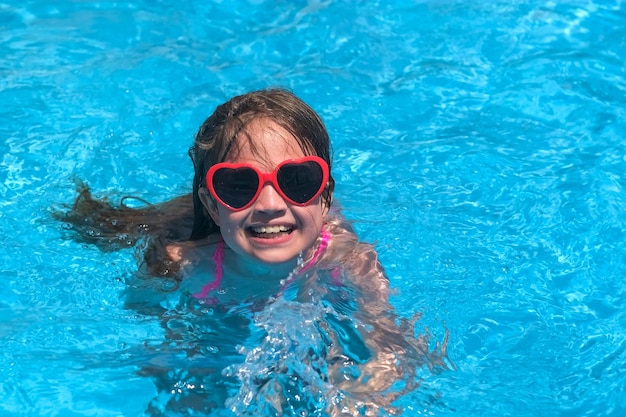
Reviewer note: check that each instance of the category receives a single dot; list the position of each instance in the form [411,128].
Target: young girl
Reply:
[259,226]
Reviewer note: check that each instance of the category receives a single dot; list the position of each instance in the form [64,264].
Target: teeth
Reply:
[270,229]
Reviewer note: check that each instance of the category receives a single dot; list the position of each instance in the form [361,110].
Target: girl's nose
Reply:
[269,200]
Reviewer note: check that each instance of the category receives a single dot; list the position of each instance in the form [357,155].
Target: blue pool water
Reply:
[480,145]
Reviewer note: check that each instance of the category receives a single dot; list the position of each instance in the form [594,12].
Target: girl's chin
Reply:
[276,257]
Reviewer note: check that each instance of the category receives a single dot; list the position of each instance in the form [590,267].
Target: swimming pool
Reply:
[479,144]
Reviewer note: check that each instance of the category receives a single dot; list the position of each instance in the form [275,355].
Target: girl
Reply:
[259,227]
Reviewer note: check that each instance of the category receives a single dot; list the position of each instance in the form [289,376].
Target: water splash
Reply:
[287,372]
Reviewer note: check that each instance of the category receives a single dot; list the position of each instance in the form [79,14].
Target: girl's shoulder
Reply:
[357,260]
[197,272]
[191,251]
[343,239]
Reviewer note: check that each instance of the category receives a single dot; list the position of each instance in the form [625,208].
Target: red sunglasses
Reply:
[298,181]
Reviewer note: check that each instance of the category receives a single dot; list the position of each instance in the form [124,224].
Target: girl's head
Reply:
[262,128]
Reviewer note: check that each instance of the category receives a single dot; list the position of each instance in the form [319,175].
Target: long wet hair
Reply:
[115,226]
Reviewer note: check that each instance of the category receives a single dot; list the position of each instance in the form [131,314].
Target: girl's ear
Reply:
[209,204]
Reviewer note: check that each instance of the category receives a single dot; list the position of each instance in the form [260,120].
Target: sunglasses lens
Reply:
[235,187]
[301,182]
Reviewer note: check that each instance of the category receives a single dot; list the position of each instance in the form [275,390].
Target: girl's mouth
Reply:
[270,232]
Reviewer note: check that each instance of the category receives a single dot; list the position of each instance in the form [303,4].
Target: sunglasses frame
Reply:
[268,178]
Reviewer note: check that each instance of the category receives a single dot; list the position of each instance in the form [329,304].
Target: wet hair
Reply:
[113,227]
[221,134]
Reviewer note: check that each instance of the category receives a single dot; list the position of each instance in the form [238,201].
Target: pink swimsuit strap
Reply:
[218,258]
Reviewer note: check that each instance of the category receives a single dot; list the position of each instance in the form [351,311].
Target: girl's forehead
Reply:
[265,143]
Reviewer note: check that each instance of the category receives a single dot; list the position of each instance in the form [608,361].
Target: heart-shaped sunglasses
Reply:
[298,181]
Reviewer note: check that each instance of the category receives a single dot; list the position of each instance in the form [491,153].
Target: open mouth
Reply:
[270,232]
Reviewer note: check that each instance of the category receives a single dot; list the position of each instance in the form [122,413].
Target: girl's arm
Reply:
[396,353]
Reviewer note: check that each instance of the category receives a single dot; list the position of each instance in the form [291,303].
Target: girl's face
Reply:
[271,230]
